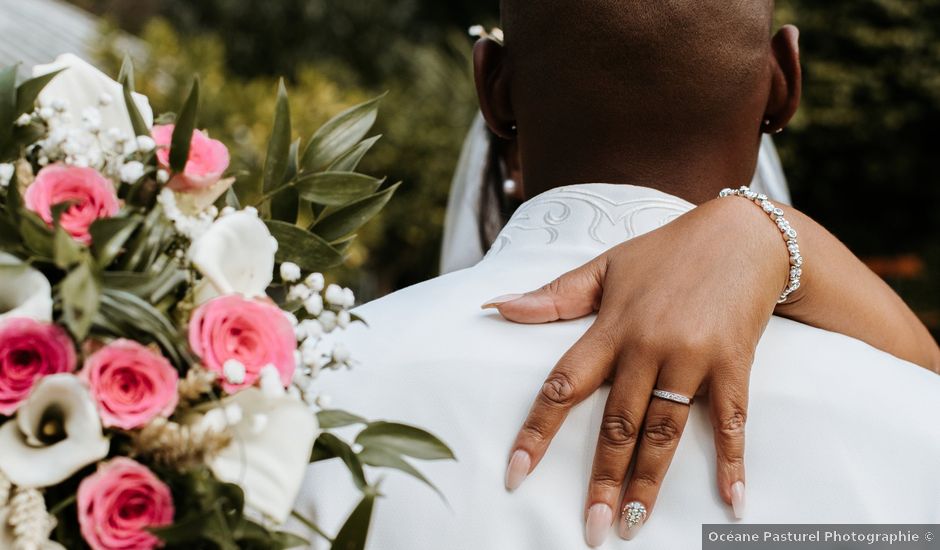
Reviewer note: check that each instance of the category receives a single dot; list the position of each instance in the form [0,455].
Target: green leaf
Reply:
[66,251]
[328,445]
[147,286]
[305,249]
[126,74]
[126,315]
[285,205]
[7,104]
[80,291]
[352,216]
[292,166]
[231,198]
[339,134]
[183,131]
[275,163]
[152,238]
[108,236]
[354,532]
[336,418]
[9,234]
[28,91]
[336,188]
[381,458]
[126,78]
[207,525]
[348,161]
[405,440]
[36,234]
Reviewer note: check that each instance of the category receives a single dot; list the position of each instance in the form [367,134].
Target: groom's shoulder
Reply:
[451,292]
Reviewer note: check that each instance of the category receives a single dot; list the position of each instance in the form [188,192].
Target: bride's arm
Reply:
[841,294]
[682,309]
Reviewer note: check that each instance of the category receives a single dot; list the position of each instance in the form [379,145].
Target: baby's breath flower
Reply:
[132,171]
[234,371]
[6,174]
[343,318]
[145,144]
[315,281]
[328,320]
[290,272]
[334,295]
[314,304]
[298,293]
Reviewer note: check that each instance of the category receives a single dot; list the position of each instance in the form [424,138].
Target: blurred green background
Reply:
[861,156]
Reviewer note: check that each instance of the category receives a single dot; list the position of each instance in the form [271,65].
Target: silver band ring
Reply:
[674,397]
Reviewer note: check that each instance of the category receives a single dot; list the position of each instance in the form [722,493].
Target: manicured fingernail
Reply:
[518,469]
[597,525]
[737,499]
[632,519]
[500,300]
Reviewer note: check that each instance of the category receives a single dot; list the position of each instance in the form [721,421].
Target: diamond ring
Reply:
[674,397]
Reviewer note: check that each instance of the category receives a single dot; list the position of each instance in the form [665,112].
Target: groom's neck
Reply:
[694,171]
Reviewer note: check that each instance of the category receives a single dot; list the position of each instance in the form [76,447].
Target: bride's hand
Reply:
[678,309]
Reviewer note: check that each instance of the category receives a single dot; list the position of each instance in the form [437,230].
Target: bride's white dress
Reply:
[838,432]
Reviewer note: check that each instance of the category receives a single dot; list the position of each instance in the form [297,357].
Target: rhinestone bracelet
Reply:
[789,234]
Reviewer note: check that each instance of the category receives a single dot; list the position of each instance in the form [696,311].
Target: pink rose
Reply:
[29,350]
[256,333]
[208,159]
[92,196]
[131,383]
[119,502]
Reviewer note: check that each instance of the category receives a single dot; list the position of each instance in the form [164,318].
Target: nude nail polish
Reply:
[500,300]
[632,519]
[597,526]
[737,499]
[518,469]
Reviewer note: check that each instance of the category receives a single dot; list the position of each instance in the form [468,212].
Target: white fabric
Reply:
[838,432]
[461,246]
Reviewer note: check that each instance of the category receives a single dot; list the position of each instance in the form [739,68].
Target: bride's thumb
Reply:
[574,294]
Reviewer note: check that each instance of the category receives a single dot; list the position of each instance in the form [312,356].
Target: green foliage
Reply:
[861,153]
[183,130]
[421,137]
[209,515]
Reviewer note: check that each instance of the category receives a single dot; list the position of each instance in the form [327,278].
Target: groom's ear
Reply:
[491,74]
[787,79]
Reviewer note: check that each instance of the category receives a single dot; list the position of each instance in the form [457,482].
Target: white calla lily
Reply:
[29,459]
[270,450]
[84,86]
[24,291]
[235,255]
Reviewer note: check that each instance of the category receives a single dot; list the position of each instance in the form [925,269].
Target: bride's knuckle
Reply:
[618,430]
[646,480]
[731,423]
[606,480]
[535,431]
[558,389]
[554,287]
[662,431]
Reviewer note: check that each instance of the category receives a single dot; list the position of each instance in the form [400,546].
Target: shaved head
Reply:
[630,78]
[694,57]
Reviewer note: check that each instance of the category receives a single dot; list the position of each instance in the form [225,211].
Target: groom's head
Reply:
[621,90]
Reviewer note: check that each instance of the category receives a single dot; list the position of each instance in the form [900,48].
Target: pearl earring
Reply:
[509,186]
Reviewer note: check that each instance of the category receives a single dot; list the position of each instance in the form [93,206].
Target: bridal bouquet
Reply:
[161,332]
